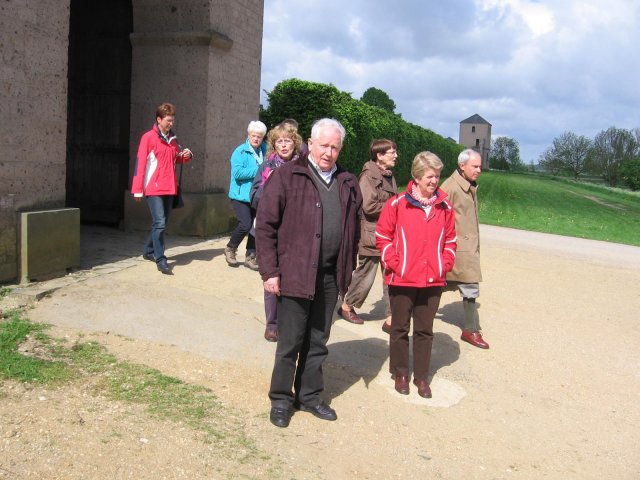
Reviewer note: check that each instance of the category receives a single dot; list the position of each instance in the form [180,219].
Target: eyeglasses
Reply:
[284,141]
[391,152]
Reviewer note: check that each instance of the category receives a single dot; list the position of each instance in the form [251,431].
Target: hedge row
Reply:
[308,101]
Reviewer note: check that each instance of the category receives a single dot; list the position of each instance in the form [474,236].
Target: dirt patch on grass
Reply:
[598,200]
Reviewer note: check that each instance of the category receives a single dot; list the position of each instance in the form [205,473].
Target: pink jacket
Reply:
[155,172]
[416,249]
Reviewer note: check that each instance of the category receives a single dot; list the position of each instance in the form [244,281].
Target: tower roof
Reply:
[475,118]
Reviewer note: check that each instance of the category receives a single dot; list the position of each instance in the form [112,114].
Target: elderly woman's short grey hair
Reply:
[257,126]
[327,123]
[423,162]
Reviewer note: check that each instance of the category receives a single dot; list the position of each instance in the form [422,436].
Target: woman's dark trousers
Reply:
[245,215]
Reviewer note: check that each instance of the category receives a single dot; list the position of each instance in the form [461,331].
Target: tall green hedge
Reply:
[308,101]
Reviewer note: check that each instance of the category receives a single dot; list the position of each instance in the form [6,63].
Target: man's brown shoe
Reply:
[350,316]
[474,338]
[423,388]
[402,384]
[386,328]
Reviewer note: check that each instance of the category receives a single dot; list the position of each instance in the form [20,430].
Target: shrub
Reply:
[630,173]
[309,101]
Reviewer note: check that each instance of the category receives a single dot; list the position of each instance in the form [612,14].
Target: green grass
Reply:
[14,330]
[50,362]
[545,204]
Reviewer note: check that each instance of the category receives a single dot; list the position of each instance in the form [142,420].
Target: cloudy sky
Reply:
[533,69]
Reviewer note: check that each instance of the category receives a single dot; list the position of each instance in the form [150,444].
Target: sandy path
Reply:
[555,397]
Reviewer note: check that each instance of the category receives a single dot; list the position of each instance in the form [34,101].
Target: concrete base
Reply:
[49,243]
[203,215]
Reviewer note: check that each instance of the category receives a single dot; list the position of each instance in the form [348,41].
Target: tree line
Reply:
[372,116]
[614,154]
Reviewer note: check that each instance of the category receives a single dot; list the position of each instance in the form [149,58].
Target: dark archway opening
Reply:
[99,102]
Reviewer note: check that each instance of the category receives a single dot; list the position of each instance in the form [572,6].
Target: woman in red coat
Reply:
[416,237]
[155,179]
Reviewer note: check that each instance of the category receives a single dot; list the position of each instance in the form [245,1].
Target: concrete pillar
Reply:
[204,57]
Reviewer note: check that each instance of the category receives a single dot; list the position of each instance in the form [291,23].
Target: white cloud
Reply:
[532,68]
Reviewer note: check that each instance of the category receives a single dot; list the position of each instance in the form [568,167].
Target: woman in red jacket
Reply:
[155,178]
[416,237]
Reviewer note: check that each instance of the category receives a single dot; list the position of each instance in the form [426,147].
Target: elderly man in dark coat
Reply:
[307,232]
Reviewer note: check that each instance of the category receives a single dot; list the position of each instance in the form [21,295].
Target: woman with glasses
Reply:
[155,179]
[378,185]
[283,145]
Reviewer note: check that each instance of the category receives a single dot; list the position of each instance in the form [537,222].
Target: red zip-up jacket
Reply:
[155,171]
[416,249]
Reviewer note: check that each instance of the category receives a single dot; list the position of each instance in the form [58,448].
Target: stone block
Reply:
[203,215]
[49,243]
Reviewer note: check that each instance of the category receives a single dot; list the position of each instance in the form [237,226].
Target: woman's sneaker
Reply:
[230,256]
[251,261]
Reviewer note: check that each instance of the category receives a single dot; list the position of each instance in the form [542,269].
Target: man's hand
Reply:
[272,285]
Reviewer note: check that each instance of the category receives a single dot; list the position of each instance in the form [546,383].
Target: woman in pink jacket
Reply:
[416,237]
[155,178]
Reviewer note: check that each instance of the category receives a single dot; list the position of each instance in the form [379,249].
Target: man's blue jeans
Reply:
[160,207]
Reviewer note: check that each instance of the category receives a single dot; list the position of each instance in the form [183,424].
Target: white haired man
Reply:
[466,275]
[307,230]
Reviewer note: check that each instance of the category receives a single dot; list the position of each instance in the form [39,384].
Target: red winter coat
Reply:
[416,250]
[155,171]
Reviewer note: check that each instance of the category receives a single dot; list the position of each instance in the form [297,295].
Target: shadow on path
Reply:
[203,255]
[100,245]
[352,361]
[355,360]
[453,313]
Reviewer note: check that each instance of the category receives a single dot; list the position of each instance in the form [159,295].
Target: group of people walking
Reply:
[316,233]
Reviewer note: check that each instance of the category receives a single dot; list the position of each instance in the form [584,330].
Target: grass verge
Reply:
[50,362]
[544,204]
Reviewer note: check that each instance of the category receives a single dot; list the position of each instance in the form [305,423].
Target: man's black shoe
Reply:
[149,256]
[280,417]
[322,410]
[163,267]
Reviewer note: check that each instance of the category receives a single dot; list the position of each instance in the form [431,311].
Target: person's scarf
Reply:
[425,202]
[274,161]
[384,171]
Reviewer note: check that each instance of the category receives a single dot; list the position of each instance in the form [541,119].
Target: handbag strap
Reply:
[180,176]
[181,165]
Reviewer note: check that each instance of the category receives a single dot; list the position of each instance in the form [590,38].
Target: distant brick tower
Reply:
[475,133]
